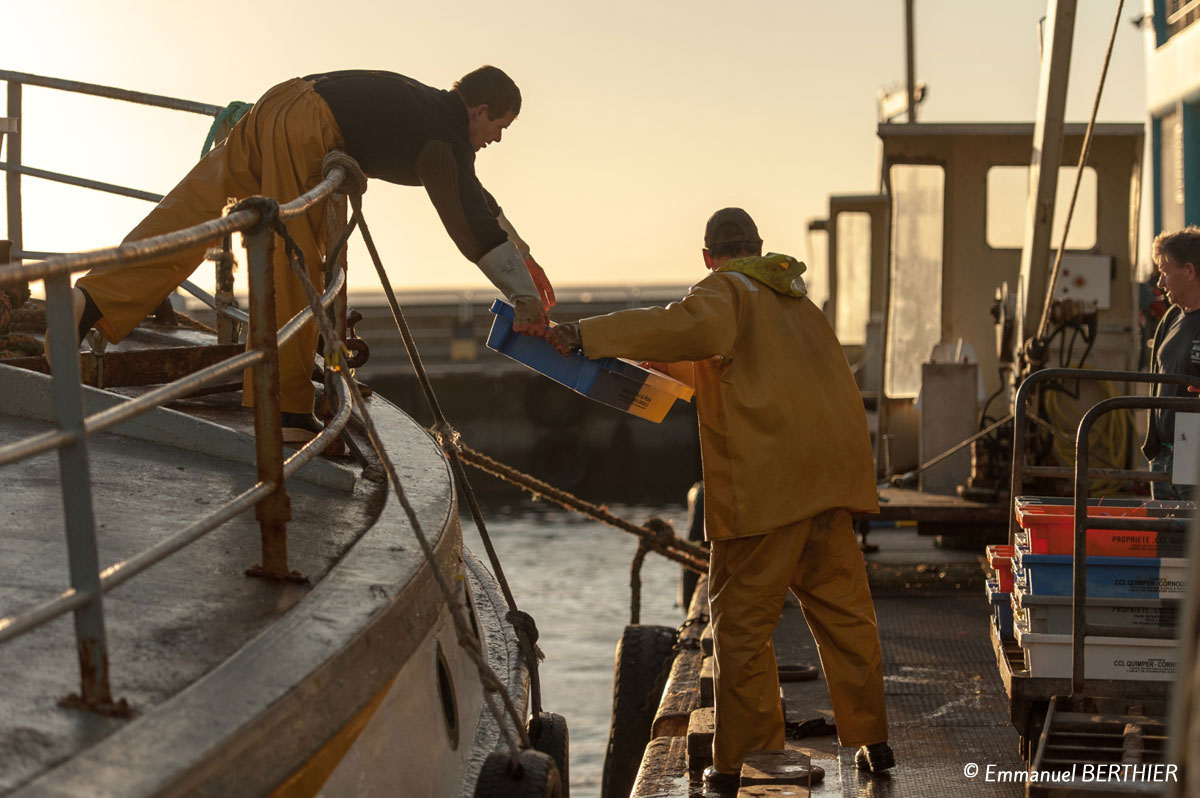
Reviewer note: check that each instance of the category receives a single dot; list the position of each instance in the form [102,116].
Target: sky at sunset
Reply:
[640,118]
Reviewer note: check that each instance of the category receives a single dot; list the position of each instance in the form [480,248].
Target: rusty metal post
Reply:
[90,639]
[274,511]
[13,178]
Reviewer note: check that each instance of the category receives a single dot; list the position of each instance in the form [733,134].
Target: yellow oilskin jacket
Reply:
[783,432]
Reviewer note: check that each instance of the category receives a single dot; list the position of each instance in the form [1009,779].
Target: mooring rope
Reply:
[660,539]
[635,584]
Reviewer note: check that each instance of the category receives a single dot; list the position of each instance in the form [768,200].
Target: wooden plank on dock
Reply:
[663,773]
[777,767]
[682,694]
[701,727]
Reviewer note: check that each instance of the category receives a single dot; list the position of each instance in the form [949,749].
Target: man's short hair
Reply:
[489,86]
[1183,246]
[731,233]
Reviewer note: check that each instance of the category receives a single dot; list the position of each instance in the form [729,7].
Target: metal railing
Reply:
[1081,473]
[88,581]
[1021,416]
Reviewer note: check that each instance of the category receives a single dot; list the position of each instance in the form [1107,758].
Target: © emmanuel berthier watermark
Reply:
[1087,772]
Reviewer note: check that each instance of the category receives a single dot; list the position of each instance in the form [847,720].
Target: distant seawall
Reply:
[521,418]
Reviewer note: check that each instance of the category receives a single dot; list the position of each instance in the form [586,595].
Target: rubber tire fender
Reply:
[642,664]
[554,740]
[538,777]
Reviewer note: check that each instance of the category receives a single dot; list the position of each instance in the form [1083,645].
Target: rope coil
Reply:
[268,217]
[354,180]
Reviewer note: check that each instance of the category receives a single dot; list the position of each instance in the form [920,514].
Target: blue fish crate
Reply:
[1106,577]
[1002,610]
[612,381]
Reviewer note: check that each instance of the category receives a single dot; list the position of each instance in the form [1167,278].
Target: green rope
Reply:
[229,115]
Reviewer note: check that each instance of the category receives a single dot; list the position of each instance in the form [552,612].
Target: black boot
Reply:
[875,758]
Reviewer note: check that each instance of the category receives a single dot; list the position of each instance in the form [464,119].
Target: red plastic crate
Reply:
[1000,559]
[1051,528]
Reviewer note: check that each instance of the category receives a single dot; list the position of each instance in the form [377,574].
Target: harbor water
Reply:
[572,574]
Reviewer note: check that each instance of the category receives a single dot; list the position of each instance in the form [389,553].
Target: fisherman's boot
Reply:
[875,758]
[85,315]
[717,782]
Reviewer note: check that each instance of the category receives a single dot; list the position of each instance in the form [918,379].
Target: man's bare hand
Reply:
[566,337]
[541,281]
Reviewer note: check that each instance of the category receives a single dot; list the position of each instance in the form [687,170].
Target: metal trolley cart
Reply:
[1065,721]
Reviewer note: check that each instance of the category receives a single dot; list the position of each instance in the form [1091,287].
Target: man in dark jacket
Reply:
[398,130]
[1176,347]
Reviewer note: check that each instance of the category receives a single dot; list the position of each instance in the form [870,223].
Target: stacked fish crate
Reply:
[1000,588]
[1134,580]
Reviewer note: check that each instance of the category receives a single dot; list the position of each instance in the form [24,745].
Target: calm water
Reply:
[572,575]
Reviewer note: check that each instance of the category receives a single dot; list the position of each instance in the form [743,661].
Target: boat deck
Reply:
[196,615]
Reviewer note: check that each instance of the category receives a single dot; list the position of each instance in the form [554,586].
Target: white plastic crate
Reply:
[1119,658]
[1054,614]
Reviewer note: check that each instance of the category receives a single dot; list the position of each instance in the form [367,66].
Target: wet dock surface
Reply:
[946,704]
[948,714]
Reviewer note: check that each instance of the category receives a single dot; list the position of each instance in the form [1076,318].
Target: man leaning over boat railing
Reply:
[398,130]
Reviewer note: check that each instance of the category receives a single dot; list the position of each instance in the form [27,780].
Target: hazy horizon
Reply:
[638,121]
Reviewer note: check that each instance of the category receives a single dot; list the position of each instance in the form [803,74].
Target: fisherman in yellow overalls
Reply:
[786,460]
[399,130]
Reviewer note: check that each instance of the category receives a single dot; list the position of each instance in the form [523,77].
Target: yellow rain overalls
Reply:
[786,459]
[276,150]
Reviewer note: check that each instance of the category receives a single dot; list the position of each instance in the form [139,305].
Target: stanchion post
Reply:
[274,511]
[84,561]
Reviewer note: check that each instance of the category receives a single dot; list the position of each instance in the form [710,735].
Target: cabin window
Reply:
[854,276]
[915,294]
[1008,197]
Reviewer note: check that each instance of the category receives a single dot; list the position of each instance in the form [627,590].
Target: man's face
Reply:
[482,130]
[1178,282]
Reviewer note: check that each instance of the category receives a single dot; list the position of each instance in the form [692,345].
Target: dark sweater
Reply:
[1176,351]
[405,132]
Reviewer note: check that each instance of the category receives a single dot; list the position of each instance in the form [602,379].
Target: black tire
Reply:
[538,777]
[643,662]
[554,740]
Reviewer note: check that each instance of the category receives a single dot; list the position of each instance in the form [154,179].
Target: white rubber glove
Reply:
[507,270]
[505,267]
